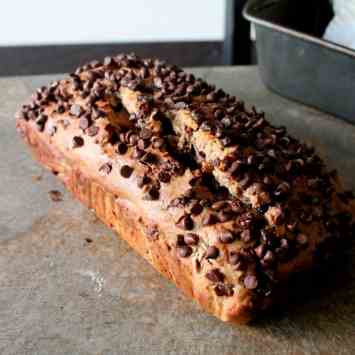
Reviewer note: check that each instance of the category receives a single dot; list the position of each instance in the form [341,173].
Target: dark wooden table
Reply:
[69,286]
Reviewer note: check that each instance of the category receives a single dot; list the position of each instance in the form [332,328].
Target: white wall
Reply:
[26,22]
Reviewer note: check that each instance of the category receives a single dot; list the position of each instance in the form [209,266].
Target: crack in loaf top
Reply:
[272,194]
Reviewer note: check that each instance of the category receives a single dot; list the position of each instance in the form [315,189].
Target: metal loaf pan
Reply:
[296,62]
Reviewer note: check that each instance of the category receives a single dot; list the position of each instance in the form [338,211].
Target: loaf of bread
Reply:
[212,195]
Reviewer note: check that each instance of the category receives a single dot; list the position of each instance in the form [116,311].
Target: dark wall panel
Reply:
[29,60]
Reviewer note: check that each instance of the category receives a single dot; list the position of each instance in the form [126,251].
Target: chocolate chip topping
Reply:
[191,239]
[215,275]
[184,251]
[158,143]
[55,195]
[52,129]
[105,169]
[226,237]
[78,142]
[209,219]
[185,222]
[84,122]
[143,144]
[250,282]
[137,153]
[41,121]
[121,148]
[263,161]
[268,259]
[152,193]
[92,131]
[212,252]
[143,180]
[148,158]
[245,235]
[164,177]
[196,209]
[235,258]
[224,290]
[126,171]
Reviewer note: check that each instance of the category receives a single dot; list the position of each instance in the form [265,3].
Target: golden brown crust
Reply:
[120,145]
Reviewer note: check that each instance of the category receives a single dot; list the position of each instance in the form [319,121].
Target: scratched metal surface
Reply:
[60,294]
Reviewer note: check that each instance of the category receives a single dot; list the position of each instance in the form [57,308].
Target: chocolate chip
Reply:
[212,252]
[196,209]
[245,236]
[152,194]
[180,240]
[92,131]
[211,96]
[121,148]
[268,259]
[84,122]
[143,144]
[158,143]
[218,113]
[152,232]
[137,153]
[235,258]
[226,121]
[52,129]
[237,207]
[179,170]
[96,114]
[224,216]
[144,72]
[262,208]
[184,251]
[78,142]
[215,275]
[206,126]
[209,219]
[149,158]
[133,139]
[41,121]
[260,251]
[105,169]
[245,181]
[226,141]
[235,167]
[143,180]
[126,171]
[164,176]
[55,195]
[224,290]
[76,110]
[185,222]
[191,239]
[250,282]
[227,237]
[61,108]
[246,220]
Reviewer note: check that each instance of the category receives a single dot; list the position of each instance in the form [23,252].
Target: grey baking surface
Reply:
[60,294]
